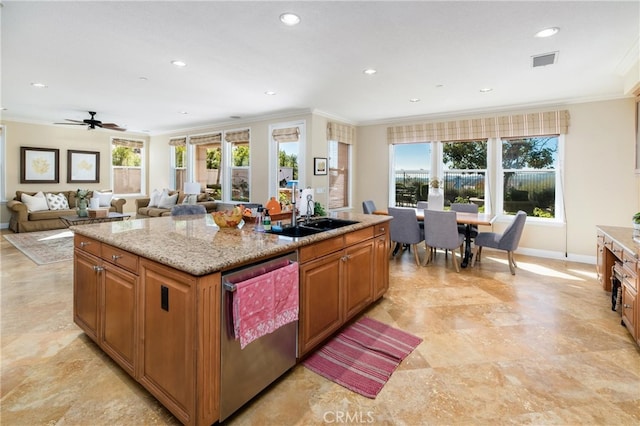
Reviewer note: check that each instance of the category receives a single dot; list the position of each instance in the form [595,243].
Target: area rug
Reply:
[363,356]
[44,247]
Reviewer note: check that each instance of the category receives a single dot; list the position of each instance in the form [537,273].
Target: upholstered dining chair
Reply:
[187,209]
[507,241]
[441,231]
[422,205]
[466,208]
[368,207]
[404,229]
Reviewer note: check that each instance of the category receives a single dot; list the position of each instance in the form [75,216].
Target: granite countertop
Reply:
[194,244]
[624,237]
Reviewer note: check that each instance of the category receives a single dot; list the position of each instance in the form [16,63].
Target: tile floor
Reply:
[540,347]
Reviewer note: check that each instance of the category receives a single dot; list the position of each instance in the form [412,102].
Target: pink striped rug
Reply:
[363,356]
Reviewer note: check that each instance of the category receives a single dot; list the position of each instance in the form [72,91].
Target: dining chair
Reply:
[466,208]
[507,241]
[422,205]
[404,229]
[368,207]
[187,209]
[441,231]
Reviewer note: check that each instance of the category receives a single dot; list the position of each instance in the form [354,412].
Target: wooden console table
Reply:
[616,245]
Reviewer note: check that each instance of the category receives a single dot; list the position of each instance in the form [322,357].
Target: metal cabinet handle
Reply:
[626,306]
[115,257]
[382,229]
[84,243]
[344,258]
[98,268]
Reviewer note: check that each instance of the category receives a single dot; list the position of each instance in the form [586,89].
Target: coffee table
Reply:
[77,220]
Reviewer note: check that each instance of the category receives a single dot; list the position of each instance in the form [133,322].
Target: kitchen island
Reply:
[148,292]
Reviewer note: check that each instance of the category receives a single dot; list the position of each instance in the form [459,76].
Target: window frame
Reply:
[349,180]
[273,156]
[143,168]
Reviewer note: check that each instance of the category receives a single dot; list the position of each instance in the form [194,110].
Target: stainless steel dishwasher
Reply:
[246,372]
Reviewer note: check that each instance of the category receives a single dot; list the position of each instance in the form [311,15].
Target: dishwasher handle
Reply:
[230,286]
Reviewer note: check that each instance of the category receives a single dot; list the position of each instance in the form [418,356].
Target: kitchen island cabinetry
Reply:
[380,260]
[336,283]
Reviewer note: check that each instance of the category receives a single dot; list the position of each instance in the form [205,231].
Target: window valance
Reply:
[290,134]
[128,143]
[205,139]
[237,136]
[182,141]
[519,125]
[340,132]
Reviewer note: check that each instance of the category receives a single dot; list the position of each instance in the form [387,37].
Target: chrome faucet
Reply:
[309,207]
[294,213]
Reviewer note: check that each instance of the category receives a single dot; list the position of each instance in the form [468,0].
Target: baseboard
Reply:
[4,225]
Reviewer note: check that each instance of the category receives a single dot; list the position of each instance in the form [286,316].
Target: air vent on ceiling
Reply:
[544,59]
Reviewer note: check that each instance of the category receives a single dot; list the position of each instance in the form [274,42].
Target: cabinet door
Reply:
[358,278]
[86,280]
[320,300]
[380,266]
[629,306]
[167,367]
[119,324]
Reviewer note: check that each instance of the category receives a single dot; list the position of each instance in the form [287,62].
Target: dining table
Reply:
[465,218]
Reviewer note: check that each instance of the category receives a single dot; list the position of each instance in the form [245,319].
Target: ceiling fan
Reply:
[92,123]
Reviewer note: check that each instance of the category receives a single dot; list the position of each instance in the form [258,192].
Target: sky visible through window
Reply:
[413,156]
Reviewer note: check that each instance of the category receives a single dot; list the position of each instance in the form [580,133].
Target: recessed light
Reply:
[414,100]
[235,117]
[486,89]
[179,64]
[370,71]
[39,85]
[547,32]
[184,112]
[270,93]
[438,86]
[289,19]
[143,78]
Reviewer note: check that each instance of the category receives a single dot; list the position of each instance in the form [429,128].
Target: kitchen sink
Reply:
[327,223]
[296,231]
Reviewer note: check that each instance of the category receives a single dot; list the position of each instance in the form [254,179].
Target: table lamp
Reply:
[192,189]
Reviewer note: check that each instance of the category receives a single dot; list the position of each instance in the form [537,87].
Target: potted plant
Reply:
[636,221]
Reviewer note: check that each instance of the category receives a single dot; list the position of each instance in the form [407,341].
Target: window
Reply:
[285,158]
[465,170]
[208,163]
[530,169]
[178,162]
[339,165]
[127,166]
[411,170]
[238,142]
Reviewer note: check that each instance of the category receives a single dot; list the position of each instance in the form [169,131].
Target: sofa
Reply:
[24,220]
[143,209]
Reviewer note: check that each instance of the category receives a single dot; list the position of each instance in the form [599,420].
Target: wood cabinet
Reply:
[159,324]
[105,299]
[616,247]
[339,278]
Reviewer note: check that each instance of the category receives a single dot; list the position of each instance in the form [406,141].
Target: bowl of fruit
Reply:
[228,218]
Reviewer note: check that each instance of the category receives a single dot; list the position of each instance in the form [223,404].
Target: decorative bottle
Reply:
[266,223]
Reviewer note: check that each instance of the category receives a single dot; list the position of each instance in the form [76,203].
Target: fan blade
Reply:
[74,121]
[71,124]
[112,126]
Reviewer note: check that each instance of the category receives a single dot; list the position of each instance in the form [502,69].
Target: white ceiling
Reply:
[92,55]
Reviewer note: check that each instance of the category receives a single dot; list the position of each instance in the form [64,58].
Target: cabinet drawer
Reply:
[358,236]
[321,248]
[630,262]
[617,250]
[381,228]
[119,257]
[629,304]
[87,244]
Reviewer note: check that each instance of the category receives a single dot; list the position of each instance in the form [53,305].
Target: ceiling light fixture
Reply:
[289,19]
[370,71]
[547,32]
[486,89]
[179,64]
[184,112]
[270,93]
[414,100]
[39,85]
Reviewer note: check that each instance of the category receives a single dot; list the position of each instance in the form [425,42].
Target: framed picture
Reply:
[319,166]
[83,166]
[39,165]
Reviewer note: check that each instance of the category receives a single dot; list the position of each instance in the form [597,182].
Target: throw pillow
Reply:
[105,198]
[154,199]
[57,201]
[168,201]
[190,199]
[35,203]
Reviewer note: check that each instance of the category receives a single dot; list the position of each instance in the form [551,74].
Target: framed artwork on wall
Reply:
[39,165]
[319,166]
[83,166]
